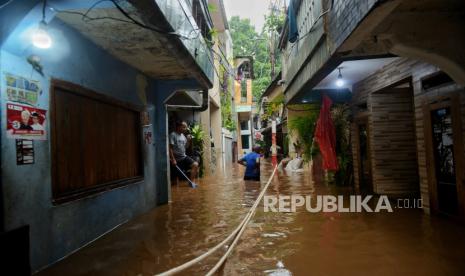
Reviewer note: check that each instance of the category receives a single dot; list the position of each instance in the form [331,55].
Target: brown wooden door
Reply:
[444,161]
[443,133]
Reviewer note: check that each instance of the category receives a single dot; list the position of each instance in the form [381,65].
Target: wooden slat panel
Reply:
[95,142]
[393,146]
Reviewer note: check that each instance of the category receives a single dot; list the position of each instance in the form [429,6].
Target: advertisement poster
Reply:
[22,90]
[25,122]
[24,152]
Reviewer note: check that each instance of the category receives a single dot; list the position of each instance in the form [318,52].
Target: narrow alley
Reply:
[401,243]
[232,137]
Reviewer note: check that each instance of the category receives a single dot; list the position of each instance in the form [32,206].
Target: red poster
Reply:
[25,122]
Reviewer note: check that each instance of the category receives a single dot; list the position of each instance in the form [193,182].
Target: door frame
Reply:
[452,101]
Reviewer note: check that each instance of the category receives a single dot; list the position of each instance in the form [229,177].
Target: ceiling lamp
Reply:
[40,38]
[340,81]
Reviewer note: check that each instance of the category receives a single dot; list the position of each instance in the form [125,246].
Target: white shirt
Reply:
[178,141]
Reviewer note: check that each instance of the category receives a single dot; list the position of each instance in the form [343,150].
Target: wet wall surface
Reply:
[404,242]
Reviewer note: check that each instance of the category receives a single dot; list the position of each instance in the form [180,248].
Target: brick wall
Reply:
[345,16]
[414,71]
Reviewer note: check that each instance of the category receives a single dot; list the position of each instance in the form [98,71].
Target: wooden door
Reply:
[445,155]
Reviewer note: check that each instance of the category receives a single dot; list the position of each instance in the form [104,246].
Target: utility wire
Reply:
[5,4]
[131,20]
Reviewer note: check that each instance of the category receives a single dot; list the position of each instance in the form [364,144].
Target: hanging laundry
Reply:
[292,17]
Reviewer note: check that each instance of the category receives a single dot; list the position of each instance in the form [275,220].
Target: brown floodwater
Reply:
[404,242]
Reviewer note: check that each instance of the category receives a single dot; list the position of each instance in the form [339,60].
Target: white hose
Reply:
[239,229]
[249,216]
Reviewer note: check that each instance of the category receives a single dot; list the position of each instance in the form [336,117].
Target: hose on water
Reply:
[236,233]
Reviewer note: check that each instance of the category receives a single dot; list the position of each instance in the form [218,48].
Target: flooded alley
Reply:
[109,106]
[301,243]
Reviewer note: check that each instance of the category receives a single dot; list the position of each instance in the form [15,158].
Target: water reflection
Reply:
[403,242]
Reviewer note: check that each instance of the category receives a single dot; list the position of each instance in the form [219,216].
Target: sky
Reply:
[255,10]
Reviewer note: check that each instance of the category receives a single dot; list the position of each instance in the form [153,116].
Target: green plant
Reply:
[212,8]
[198,143]
[304,128]
[226,101]
[273,107]
[341,118]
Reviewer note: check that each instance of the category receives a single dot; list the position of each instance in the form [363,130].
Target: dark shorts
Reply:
[253,178]
[186,163]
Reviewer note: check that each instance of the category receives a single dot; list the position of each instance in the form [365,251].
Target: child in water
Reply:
[252,163]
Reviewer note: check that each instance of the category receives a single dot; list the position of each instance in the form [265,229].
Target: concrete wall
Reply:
[58,230]
[159,91]
[237,93]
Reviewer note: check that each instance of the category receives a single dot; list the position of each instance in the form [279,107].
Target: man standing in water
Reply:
[178,155]
[252,163]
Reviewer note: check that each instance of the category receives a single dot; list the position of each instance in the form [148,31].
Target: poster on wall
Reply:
[24,152]
[25,122]
[148,137]
[22,90]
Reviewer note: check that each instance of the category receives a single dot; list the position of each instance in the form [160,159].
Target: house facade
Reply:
[243,103]
[84,116]
[404,85]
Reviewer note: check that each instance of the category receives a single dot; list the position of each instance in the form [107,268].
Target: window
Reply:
[243,91]
[436,80]
[199,13]
[96,142]
[244,125]
[245,141]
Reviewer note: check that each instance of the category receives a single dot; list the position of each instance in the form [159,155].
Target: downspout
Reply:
[204,105]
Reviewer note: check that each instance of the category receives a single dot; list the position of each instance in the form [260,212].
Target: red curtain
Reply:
[325,135]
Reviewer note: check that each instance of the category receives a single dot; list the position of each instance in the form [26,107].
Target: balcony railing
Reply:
[179,15]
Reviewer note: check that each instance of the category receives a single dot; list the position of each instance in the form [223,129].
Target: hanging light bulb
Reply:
[340,81]
[40,38]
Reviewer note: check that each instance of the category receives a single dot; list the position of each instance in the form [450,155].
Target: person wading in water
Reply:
[252,163]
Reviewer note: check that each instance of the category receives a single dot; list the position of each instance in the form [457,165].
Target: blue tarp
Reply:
[293,29]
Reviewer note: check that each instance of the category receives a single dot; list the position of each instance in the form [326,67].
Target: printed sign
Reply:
[24,152]
[148,138]
[19,89]
[25,122]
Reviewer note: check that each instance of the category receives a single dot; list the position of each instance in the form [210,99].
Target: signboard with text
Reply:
[25,122]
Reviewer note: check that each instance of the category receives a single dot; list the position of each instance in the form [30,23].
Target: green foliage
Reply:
[247,42]
[341,119]
[274,107]
[213,33]
[304,128]
[212,8]
[198,139]
[274,22]
[226,101]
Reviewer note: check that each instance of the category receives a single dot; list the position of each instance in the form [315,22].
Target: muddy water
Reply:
[300,243]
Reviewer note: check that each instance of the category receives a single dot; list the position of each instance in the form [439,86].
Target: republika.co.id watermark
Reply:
[341,204]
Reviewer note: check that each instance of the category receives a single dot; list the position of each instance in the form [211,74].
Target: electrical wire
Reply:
[6,4]
[131,20]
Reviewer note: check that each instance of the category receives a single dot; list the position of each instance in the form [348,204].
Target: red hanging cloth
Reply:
[325,135]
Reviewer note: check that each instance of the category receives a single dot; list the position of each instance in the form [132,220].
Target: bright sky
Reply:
[255,10]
